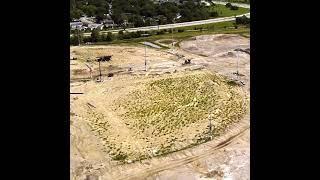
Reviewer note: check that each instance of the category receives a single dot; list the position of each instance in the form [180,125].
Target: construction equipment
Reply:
[104,58]
[186,61]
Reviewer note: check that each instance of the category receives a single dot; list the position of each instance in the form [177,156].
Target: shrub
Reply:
[160,32]
[95,35]
[234,8]
[110,37]
[120,157]
[127,35]
[86,39]
[74,40]
[214,14]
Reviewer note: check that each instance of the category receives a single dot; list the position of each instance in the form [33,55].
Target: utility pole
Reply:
[78,36]
[238,63]
[210,127]
[158,24]
[145,52]
[238,49]
[172,36]
[100,71]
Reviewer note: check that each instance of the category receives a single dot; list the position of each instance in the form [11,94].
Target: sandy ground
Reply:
[88,157]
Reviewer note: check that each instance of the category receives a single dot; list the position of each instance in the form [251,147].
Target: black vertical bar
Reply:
[100,70]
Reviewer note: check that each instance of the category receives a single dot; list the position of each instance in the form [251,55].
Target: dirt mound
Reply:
[166,114]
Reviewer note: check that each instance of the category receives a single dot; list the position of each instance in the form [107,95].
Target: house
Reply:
[87,20]
[76,25]
[95,26]
[108,23]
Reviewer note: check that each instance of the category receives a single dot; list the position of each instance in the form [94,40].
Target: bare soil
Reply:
[95,123]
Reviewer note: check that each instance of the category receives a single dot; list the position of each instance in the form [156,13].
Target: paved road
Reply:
[184,24]
[236,4]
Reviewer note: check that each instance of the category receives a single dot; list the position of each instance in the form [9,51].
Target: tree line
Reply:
[142,12]
[97,36]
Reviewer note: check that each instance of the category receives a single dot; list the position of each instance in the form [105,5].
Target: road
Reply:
[236,4]
[184,24]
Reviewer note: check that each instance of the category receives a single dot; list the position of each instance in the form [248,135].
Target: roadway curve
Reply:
[184,24]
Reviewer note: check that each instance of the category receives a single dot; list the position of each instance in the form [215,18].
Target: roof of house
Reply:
[94,25]
[75,23]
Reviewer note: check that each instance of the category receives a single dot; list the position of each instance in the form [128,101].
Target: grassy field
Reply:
[190,31]
[171,114]
[239,1]
[223,11]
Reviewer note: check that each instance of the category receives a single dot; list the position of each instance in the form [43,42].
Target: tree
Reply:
[162,19]
[95,35]
[73,40]
[243,20]
[137,20]
[90,10]
[100,13]
[75,14]
[120,34]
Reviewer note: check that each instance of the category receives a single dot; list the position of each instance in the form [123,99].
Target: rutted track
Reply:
[189,159]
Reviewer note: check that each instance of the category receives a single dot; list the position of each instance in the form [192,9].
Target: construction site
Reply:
[175,111]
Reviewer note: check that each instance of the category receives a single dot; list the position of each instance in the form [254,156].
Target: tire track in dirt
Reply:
[186,160]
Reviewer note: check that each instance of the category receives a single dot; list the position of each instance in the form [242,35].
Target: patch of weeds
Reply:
[120,157]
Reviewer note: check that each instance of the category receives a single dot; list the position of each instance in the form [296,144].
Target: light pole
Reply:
[173,21]
[172,36]
[145,52]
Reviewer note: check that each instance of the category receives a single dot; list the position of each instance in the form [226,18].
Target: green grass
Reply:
[214,28]
[223,11]
[239,1]
[173,103]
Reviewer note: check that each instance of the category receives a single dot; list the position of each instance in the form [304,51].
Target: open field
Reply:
[190,31]
[223,11]
[163,115]
[154,124]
